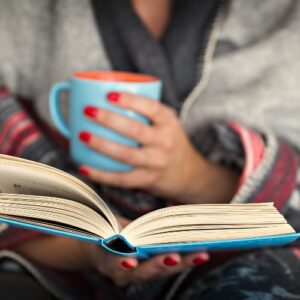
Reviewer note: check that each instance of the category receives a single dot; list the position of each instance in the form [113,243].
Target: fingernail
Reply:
[200,260]
[85,136]
[113,96]
[127,265]
[83,171]
[170,261]
[91,111]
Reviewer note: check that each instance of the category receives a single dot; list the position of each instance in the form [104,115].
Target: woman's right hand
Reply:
[124,270]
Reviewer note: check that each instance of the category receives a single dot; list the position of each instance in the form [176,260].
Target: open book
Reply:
[39,197]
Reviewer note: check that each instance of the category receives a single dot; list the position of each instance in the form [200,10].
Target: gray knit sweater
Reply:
[256,67]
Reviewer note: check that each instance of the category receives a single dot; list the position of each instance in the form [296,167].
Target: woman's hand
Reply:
[167,164]
[126,270]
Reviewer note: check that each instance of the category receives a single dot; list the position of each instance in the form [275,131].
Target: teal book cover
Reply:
[35,196]
[119,245]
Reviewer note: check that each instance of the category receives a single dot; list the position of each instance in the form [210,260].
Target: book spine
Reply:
[118,244]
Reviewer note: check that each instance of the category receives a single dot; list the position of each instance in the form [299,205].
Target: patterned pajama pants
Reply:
[261,275]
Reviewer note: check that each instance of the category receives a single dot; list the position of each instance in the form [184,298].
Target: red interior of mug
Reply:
[115,76]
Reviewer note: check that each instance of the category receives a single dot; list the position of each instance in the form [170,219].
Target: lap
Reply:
[264,274]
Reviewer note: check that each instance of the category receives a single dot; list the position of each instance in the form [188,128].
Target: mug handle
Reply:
[55,107]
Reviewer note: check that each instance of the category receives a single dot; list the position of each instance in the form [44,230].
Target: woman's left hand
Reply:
[167,164]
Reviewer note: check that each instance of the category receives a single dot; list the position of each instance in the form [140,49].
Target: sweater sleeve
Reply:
[21,136]
[268,165]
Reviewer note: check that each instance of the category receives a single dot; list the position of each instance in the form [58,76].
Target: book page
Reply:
[49,225]
[20,176]
[203,222]
[50,210]
[210,235]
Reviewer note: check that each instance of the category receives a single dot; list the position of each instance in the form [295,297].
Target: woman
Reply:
[196,150]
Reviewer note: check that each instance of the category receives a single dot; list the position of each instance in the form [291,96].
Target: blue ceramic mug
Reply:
[90,89]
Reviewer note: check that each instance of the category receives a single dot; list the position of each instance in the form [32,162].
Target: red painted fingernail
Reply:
[85,136]
[170,261]
[127,265]
[113,96]
[200,260]
[91,111]
[83,171]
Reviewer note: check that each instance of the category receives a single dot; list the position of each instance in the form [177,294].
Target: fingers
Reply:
[197,258]
[130,155]
[125,270]
[153,110]
[126,126]
[118,268]
[158,266]
[139,157]
[167,264]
